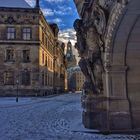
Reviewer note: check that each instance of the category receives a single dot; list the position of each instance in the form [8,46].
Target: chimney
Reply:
[37,4]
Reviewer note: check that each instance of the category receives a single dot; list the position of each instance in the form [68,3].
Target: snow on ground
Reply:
[54,118]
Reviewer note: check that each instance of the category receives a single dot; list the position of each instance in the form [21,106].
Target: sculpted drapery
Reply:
[90,45]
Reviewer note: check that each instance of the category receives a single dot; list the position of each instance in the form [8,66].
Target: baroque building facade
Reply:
[27,49]
[108,41]
[76,79]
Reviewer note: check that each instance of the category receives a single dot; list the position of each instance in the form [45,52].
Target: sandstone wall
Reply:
[113,29]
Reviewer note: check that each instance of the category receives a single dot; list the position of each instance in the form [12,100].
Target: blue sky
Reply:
[62,12]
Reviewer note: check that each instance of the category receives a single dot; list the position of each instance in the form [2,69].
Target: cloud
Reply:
[68,34]
[55,1]
[56,20]
[62,25]
[47,12]
[62,10]
[58,10]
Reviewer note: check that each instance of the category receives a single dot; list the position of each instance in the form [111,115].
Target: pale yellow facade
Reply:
[80,79]
[27,52]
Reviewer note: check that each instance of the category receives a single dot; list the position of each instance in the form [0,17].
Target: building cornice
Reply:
[7,9]
[17,42]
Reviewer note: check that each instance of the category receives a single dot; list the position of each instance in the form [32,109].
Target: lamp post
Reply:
[17,82]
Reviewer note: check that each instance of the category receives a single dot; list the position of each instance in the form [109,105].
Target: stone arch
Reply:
[124,72]
[133,73]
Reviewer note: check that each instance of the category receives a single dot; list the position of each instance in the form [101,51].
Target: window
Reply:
[43,82]
[46,42]
[42,57]
[11,33]
[26,56]
[52,65]
[26,33]
[10,55]
[46,61]
[43,41]
[9,78]
[25,78]
[46,79]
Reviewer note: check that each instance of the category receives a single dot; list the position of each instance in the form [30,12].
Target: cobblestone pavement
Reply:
[55,118]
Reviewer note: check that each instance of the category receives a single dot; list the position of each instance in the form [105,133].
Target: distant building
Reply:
[70,58]
[27,50]
[76,79]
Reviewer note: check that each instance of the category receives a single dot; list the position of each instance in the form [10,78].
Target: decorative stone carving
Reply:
[84,63]
[94,56]
[110,47]
[81,44]
[91,36]
[106,3]
[15,17]
[10,20]
[89,45]
[100,19]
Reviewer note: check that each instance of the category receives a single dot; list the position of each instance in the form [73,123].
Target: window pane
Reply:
[26,55]
[11,32]
[10,55]
[26,33]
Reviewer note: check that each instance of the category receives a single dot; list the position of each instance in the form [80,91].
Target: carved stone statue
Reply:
[89,48]
[88,86]
[94,55]
[82,50]
[79,28]
[100,19]
[90,43]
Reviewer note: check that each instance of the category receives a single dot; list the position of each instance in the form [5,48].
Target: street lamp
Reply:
[17,82]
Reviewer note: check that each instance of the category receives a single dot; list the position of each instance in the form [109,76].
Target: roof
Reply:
[73,69]
[14,4]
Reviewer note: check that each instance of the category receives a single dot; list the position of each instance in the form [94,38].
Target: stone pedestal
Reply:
[94,112]
[119,116]
[105,114]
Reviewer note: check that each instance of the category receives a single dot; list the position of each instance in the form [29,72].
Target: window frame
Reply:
[10,33]
[8,82]
[6,55]
[26,33]
[23,59]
